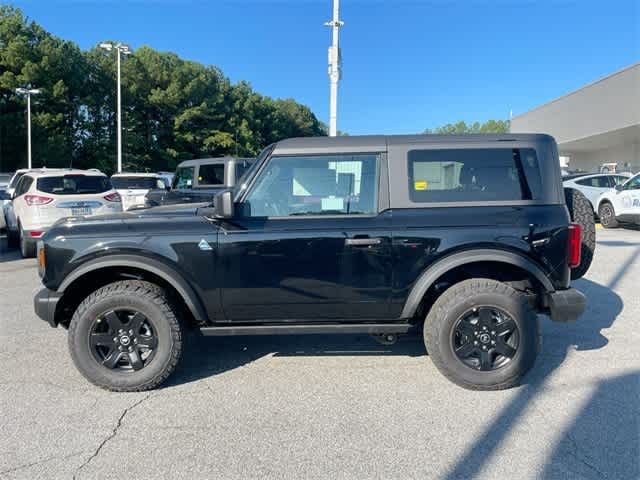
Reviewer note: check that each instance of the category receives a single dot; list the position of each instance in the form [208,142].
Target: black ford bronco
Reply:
[467,237]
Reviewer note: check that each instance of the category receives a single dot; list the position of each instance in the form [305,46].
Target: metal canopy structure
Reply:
[596,124]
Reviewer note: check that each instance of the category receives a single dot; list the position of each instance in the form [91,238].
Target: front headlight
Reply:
[42,261]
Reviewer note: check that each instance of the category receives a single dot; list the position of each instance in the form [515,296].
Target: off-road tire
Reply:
[609,219]
[154,303]
[468,294]
[582,213]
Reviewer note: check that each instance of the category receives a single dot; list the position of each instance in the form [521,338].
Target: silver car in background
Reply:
[133,187]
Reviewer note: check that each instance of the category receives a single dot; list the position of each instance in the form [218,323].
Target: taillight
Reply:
[574,247]
[36,233]
[37,199]
[113,197]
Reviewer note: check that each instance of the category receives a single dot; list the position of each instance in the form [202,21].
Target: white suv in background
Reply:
[133,187]
[592,186]
[620,205]
[44,196]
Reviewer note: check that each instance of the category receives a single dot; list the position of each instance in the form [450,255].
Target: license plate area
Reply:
[81,211]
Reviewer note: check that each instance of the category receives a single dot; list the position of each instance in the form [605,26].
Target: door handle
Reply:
[362,242]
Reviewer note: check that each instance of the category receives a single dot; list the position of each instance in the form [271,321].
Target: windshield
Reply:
[134,183]
[248,174]
[74,184]
[183,178]
[633,183]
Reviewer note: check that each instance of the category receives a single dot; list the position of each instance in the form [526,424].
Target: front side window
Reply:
[73,185]
[597,182]
[473,175]
[211,174]
[183,178]
[315,185]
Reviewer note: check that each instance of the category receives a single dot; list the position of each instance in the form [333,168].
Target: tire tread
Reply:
[140,289]
[450,298]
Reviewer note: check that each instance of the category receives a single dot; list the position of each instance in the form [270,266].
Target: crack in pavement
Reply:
[112,435]
[38,462]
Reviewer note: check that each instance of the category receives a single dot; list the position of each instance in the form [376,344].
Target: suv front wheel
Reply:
[125,336]
[482,334]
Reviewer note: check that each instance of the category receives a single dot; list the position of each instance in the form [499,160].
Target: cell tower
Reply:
[335,68]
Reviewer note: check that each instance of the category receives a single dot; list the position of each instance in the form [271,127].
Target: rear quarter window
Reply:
[473,175]
[134,183]
[211,174]
[73,184]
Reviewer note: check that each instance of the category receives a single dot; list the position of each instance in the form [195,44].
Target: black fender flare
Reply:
[443,265]
[156,267]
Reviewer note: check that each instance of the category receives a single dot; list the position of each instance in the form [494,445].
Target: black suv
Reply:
[466,237]
[199,180]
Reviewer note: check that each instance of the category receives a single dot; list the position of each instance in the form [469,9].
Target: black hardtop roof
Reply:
[372,142]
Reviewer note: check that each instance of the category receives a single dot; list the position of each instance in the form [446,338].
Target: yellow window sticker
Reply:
[420,185]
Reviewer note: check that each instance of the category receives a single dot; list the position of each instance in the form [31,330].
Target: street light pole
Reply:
[28,92]
[125,50]
[29,131]
[119,115]
[335,60]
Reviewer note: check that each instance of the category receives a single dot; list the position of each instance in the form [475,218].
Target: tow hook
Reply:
[385,338]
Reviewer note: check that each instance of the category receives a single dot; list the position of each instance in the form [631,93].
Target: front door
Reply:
[308,243]
[627,201]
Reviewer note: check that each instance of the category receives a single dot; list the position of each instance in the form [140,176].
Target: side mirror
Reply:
[618,188]
[223,204]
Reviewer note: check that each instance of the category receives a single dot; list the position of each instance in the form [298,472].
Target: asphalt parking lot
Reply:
[331,406]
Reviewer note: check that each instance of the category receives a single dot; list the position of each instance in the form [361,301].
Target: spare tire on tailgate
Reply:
[581,213]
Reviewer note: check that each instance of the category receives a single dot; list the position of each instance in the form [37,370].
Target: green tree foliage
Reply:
[173,109]
[490,126]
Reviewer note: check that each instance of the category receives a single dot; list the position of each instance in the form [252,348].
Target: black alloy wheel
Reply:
[482,334]
[485,338]
[123,340]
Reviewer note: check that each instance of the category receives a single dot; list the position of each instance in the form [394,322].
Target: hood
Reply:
[175,209]
[152,221]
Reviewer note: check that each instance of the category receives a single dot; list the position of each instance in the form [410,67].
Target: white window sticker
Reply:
[332,203]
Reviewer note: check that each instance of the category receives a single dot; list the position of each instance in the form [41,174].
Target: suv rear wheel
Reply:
[125,336]
[27,248]
[482,334]
[607,215]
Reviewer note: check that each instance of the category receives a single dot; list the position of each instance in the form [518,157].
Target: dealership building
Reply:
[595,125]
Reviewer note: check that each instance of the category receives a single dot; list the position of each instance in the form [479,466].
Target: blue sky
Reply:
[407,64]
